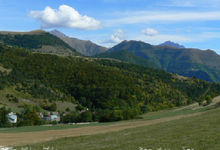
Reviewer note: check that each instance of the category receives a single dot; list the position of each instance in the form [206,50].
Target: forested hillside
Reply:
[38,41]
[115,90]
[203,64]
[127,56]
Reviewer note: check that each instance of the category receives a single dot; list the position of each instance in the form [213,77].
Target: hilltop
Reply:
[37,41]
[87,48]
[169,43]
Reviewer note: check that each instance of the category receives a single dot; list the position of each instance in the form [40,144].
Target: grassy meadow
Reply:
[199,133]
[148,116]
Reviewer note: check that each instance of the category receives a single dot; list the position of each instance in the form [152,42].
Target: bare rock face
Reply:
[57,33]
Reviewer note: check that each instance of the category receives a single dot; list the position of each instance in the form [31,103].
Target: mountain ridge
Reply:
[170,43]
[184,61]
[57,33]
[37,41]
[84,47]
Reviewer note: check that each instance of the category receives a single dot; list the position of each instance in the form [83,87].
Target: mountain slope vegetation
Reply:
[127,56]
[203,64]
[115,90]
[37,41]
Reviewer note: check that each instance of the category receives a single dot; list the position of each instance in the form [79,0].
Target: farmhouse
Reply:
[12,117]
[51,118]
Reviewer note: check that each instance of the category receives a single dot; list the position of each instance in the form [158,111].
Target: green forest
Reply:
[111,90]
[33,41]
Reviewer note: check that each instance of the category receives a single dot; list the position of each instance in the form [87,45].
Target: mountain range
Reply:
[86,48]
[129,79]
[203,64]
[169,56]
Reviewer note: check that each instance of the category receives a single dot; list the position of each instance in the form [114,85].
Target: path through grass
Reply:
[199,133]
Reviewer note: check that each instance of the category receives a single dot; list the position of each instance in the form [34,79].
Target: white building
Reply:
[52,118]
[12,117]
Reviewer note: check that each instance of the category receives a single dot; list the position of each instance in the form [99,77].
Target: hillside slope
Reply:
[203,64]
[127,56]
[116,90]
[87,48]
[37,41]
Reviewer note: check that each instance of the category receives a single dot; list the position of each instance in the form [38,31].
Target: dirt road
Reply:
[12,139]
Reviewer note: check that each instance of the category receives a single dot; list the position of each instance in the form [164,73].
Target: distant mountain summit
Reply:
[189,62]
[169,43]
[57,33]
[86,48]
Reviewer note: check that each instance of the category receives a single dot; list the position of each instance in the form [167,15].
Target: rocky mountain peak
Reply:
[57,33]
[169,43]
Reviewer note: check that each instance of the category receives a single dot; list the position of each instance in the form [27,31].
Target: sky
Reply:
[192,23]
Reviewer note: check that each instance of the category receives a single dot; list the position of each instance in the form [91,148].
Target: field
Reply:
[198,133]
[168,129]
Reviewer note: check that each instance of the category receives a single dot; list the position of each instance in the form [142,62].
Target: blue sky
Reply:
[192,23]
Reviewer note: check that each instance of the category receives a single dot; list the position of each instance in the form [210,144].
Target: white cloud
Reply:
[65,17]
[193,3]
[150,32]
[117,37]
[135,17]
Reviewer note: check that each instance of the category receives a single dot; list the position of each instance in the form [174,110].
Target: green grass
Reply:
[174,112]
[48,127]
[198,133]
[148,116]
[14,108]
[63,105]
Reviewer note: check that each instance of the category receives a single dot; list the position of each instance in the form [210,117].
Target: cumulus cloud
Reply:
[149,32]
[117,37]
[65,17]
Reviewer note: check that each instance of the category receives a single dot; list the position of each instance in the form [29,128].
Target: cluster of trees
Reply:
[29,117]
[75,117]
[116,90]
[49,107]
[3,118]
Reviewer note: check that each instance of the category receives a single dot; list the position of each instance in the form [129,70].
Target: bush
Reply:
[80,107]
[146,108]
[72,117]
[68,109]
[3,118]
[208,99]
[86,116]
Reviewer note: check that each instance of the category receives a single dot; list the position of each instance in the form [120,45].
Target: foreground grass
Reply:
[198,133]
[148,116]
[175,112]
[48,127]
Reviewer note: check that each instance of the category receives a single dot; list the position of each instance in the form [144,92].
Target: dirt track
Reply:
[6,139]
